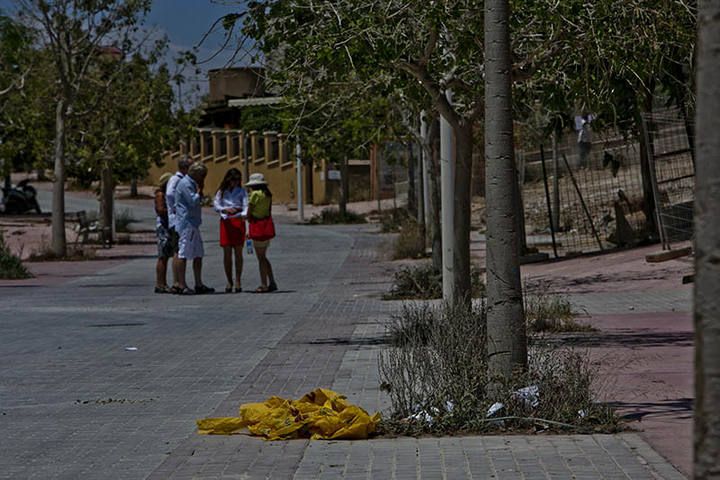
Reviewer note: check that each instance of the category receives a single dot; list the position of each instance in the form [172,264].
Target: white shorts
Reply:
[191,244]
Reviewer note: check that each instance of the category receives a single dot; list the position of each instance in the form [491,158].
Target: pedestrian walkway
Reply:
[99,378]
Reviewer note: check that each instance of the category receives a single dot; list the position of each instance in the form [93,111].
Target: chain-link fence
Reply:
[672,169]
[588,197]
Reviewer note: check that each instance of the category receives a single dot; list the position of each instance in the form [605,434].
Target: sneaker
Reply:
[203,289]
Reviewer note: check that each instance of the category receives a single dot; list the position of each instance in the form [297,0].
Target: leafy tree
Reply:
[384,47]
[75,35]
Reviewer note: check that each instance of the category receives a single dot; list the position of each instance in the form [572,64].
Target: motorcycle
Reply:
[22,198]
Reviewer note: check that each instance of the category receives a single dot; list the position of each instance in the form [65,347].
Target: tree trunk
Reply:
[478,174]
[463,181]
[344,185]
[412,200]
[59,244]
[507,344]
[134,188]
[435,227]
[107,189]
[707,247]
[646,151]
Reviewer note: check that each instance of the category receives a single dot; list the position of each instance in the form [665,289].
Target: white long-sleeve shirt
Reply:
[235,198]
[170,197]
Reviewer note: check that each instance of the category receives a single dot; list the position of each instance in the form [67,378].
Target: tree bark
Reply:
[412,200]
[707,247]
[107,190]
[507,344]
[434,152]
[59,244]
[463,181]
[344,186]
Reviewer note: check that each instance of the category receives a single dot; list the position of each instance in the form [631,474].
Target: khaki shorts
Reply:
[261,243]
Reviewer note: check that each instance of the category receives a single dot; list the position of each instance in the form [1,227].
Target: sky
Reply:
[185,22]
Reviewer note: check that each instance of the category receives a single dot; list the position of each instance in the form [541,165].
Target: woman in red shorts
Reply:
[232,204]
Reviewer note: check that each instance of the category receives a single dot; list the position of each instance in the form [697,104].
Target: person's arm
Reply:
[170,194]
[160,204]
[217,203]
[244,203]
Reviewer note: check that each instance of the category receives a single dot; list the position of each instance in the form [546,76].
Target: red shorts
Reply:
[232,232]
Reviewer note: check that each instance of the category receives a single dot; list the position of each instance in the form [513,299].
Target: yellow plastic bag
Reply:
[320,415]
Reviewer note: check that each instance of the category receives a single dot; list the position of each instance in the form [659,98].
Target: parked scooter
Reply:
[22,198]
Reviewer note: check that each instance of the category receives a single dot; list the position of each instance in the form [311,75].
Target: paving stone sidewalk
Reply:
[76,404]
[345,330]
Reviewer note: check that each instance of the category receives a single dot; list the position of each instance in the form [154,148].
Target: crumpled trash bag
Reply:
[319,415]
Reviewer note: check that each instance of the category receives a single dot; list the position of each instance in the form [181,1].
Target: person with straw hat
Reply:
[165,243]
[262,228]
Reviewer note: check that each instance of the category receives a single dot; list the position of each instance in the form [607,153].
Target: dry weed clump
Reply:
[424,282]
[410,242]
[550,312]
[11,267]
[332,216]
[436,375]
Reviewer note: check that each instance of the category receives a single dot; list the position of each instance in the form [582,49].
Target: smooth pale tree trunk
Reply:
[59,244]
[412,205]
[463,181]
[507,343]
[434,164]
[707,246]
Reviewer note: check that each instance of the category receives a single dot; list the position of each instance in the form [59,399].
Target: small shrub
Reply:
[424,282]
[11,267]
[549,312]
[123,219]
[436,375]
[332,216]
[391,221]
[410,242]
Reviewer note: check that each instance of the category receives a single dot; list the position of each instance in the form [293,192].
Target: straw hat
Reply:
[164,178]
[256,179]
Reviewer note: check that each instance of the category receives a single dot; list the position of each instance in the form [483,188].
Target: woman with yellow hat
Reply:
[165,242]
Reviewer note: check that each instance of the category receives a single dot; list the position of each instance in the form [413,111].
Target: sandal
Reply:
[238,289]
[175,290]
[262,289]
[163,289]
[203,289]
[273,287]
[228,289]
[185,291]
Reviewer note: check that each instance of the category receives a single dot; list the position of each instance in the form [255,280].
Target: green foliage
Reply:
[11,267]
[332,216]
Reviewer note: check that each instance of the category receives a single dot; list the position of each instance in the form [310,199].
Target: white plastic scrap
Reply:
[582,413]
[495,408]
[529,395]
[423,416]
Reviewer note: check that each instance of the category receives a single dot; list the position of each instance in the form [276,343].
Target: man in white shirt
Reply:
[183,166]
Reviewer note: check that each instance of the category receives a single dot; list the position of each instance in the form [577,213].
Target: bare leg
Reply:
[176,270]
[262,260]
[238,265]
[197,271]
[227,263]
[161,272]
[182,266]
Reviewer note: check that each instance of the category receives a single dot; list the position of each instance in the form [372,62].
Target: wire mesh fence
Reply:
[595,195]
[672,169]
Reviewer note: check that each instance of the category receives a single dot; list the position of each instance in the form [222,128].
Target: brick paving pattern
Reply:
[76,403]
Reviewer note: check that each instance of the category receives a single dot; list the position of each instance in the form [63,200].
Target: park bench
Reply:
[84,227]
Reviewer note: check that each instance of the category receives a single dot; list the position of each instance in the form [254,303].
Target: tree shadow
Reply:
[627,339]
[680,408]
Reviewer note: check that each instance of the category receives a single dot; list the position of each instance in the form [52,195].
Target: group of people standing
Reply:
[178,206]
